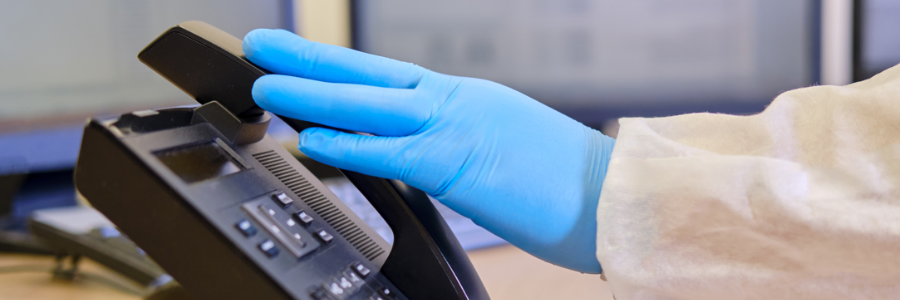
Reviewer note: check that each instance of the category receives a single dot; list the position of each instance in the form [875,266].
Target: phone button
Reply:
[268,247]
[386,293]
[282,199]
[362,270]
[304,217]
[324,235]
[246,228]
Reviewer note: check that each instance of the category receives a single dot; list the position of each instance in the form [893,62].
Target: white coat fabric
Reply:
[801,201]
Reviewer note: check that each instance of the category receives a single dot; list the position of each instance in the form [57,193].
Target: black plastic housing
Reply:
[171,222]
[188,228]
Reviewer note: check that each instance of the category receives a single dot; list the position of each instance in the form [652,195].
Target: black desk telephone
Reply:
[229,214]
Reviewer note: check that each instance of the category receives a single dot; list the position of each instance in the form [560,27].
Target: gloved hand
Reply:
[520,169]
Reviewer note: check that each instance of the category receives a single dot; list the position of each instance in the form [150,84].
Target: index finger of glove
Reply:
[376,110]
[286,53]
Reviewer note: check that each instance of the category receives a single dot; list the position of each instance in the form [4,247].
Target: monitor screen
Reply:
[64,61]
[67,60]
[607,58]
[878,41]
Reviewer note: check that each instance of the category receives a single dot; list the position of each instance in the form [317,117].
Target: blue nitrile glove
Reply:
[520,169]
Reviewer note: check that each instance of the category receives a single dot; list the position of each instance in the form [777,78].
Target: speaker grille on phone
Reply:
[308,193]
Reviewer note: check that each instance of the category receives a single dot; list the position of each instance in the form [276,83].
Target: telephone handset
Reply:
[230,214]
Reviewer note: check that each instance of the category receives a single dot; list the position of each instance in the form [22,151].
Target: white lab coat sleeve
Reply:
[801,201]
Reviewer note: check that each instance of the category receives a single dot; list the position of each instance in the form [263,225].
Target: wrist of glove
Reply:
[513,165]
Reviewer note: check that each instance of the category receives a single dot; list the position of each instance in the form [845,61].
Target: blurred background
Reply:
[594,60]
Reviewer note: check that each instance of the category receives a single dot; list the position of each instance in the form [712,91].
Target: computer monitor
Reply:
[603,59]
[876,40]
[64,61]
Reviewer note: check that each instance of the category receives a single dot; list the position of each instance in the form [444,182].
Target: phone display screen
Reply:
[198,162]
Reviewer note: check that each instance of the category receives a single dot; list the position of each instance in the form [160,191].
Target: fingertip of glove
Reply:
[314,138]
[251,41]
[258,40]
[259,91]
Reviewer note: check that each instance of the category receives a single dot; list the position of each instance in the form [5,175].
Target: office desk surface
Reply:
[36,284]
[507,272]
[510,273]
